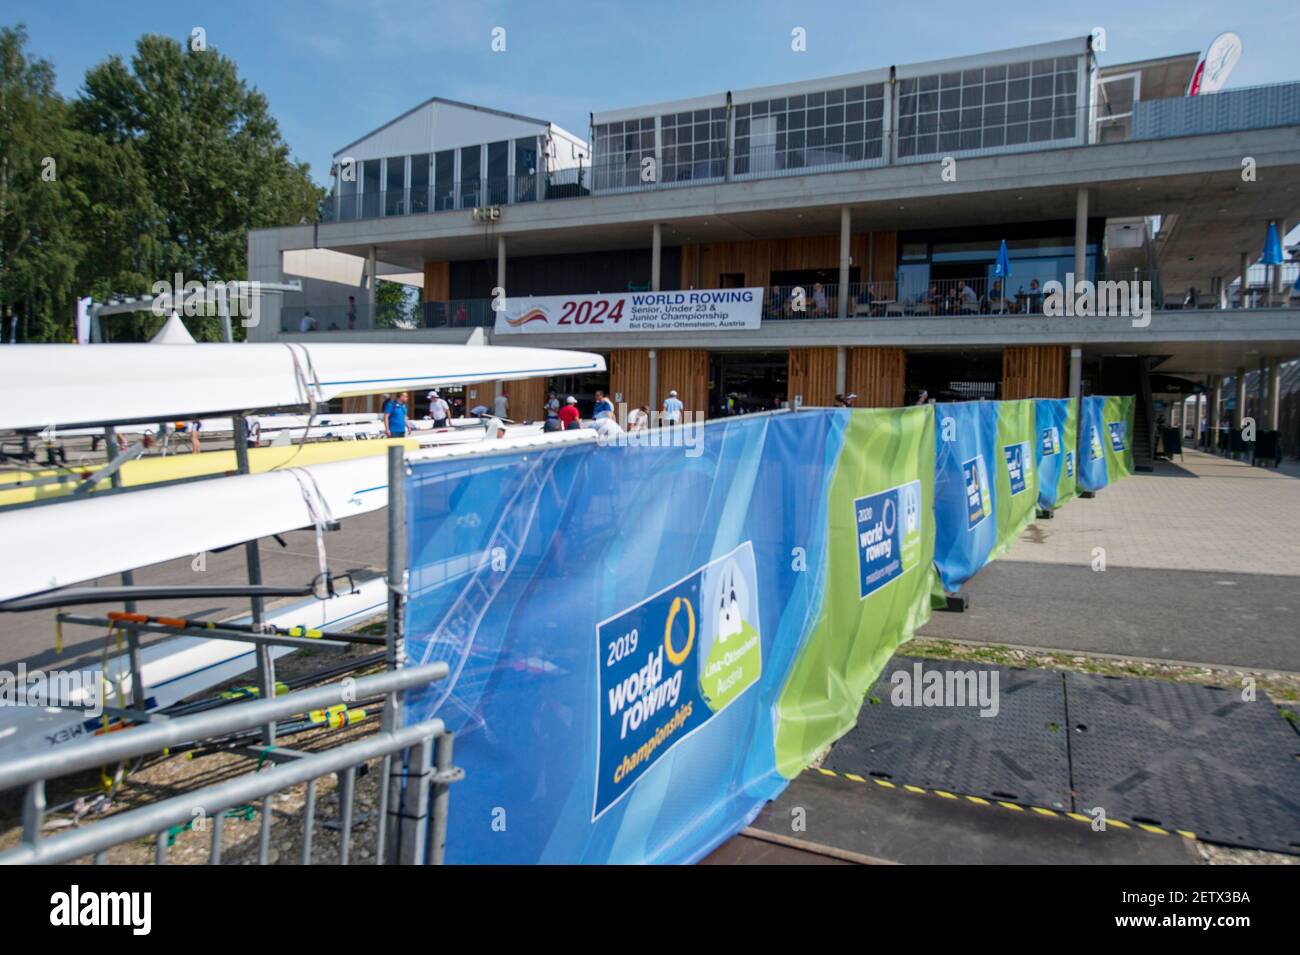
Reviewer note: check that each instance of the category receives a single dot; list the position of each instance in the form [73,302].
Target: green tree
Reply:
[40,201]
[186,159]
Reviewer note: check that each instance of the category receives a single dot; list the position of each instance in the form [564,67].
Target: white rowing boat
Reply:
[78,539]
[43,386]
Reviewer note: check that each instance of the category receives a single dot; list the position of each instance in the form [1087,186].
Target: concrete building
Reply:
[891,189]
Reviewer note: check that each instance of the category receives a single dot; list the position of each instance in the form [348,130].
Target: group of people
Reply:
[963,299]
[566,416]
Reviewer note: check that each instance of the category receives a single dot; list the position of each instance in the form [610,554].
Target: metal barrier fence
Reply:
[414,790]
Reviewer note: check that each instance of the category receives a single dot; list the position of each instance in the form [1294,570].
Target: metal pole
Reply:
[128,579]
[265,664]
[395,635]
[656,253]
[846,260]
[441,800]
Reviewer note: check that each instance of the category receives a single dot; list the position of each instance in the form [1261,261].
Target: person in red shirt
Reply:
[569,416]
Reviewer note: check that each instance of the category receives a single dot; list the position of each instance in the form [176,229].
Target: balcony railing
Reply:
[975,297]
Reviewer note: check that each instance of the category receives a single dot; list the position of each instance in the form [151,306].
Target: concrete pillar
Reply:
[372,281]
[1076,371]
[1241,399]
[654,400]
[1080,236]
[501,263]
[841,369]
[656,255]
[1274,394]
[1216,400]
[1245,280]
[846,261]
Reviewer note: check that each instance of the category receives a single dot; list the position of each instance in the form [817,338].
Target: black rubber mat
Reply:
[1019,755]
[1186,757]
[1176,756]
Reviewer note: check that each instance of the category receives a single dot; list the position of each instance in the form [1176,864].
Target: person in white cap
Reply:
[439,410]
[673,408]
[493,428]
[569,416]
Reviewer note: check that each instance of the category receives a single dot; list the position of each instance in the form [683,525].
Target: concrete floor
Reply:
[1202,565]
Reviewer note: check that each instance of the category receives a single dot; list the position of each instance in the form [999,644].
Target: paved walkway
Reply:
[1202,562]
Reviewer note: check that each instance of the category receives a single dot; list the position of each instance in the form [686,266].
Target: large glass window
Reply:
[498,173]
[526,169]
[471,179]
[694,145]
[395,186]
[444,180]
[370,188]
[419,192]
[829,127]
[996,106]
[619,149]
[347,180]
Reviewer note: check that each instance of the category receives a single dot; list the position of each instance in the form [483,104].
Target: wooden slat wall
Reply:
[629,374]
[527,398]
[812,375]
[437,281]
[686,371]
[875,375]
[1035,371]
[757,260]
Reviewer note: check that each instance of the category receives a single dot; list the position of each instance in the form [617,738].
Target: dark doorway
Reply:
[747,381]
[953,375]
[731,280]
[582,387]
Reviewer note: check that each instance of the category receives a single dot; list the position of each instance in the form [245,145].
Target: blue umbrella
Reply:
[1272,246]
[1002,269]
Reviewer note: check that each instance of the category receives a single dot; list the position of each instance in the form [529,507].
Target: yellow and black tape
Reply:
[1010,806]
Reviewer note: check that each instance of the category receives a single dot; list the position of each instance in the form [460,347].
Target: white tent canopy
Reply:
[173,332]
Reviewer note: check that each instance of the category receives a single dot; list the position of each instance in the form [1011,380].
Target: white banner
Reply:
[732,309]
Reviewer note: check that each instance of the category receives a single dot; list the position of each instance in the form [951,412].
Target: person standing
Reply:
[604,407]
[439,410]
[501,406]
[352,312]
[673,408]
[552,406]
[395,419]
[569,416]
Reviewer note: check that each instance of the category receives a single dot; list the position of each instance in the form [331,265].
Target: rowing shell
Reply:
[52,386]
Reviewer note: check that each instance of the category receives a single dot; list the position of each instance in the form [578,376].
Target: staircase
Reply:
[1132,376]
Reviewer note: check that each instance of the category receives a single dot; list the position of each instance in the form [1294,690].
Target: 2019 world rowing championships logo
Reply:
[532,315]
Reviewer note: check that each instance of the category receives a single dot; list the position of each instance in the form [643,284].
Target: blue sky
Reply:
[335,69]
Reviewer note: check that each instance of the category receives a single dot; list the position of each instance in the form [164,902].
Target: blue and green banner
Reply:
[1016,492]
[1105,440]
[966,463]
[647,640]
[1056,451]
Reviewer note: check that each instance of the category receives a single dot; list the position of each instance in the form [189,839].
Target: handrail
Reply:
[139,740]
